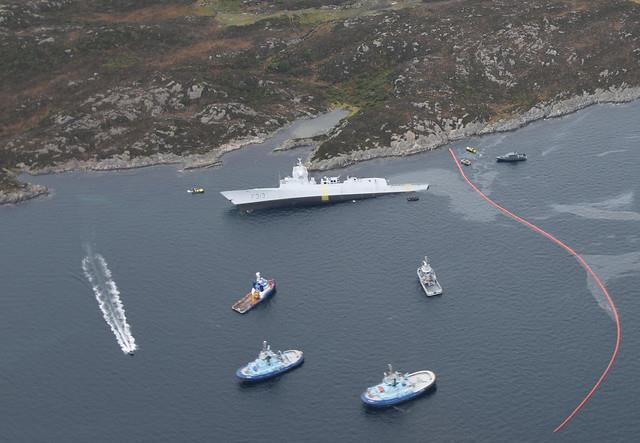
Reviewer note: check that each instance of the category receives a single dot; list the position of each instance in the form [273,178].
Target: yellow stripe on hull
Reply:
[325,193]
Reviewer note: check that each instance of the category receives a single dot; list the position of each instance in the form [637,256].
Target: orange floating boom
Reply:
[584,264]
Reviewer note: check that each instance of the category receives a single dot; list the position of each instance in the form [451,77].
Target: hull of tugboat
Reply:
[296,359]
[434,289]
[248,302]
[311,195]
[509,160]
[511,157]
[423,380]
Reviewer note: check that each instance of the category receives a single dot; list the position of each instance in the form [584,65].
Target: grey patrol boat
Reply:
[428,279]
[511,157]
[300,189]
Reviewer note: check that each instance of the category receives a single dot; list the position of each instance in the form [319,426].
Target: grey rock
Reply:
[27,192]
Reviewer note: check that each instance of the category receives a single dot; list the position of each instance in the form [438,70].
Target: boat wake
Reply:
[97,272]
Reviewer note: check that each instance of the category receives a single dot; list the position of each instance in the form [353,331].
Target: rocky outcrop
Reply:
[124,161]
[294,143]
[23,193]
[408,143]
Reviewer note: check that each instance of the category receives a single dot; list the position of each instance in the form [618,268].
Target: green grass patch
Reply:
[279,65]
[362,92]
[230,13]
[226,12]
[122,61]
[302,17]
[353,110]
[215,6]
[313,16]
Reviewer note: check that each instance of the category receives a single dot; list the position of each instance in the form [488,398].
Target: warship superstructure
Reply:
[300,189]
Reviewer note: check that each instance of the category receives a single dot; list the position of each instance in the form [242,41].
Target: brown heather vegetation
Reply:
[95,79]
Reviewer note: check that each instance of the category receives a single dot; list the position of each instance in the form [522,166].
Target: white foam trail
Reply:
[615,151]
[106,292]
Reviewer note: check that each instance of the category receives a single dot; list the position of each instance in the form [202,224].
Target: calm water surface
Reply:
[517,339]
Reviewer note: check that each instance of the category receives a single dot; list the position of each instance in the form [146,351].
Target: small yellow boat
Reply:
[195,190]
[471,149]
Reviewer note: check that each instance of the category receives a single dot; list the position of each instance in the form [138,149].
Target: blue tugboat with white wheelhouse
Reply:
[270,364]
[397,388]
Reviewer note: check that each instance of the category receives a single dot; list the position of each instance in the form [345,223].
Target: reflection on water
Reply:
[610,268]
[447,183]
[609,209]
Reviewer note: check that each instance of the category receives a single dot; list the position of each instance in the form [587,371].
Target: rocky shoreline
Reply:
[403,145]
[23,193]
[408,143]
[20,192]
[124,161]
[295,143]
[134,84]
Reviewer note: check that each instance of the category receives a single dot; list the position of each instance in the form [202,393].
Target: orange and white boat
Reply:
[262,289]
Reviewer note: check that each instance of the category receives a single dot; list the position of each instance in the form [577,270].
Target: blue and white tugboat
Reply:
[397,388]
[261,290]
[269,364]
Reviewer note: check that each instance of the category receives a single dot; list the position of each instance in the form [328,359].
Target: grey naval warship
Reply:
[302,190]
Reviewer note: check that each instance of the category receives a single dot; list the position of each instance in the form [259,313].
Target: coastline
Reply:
[403,145]
[409,144]
[22,193]
[123,161]
[27,190]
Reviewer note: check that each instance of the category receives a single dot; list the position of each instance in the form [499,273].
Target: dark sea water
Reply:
[518,338]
